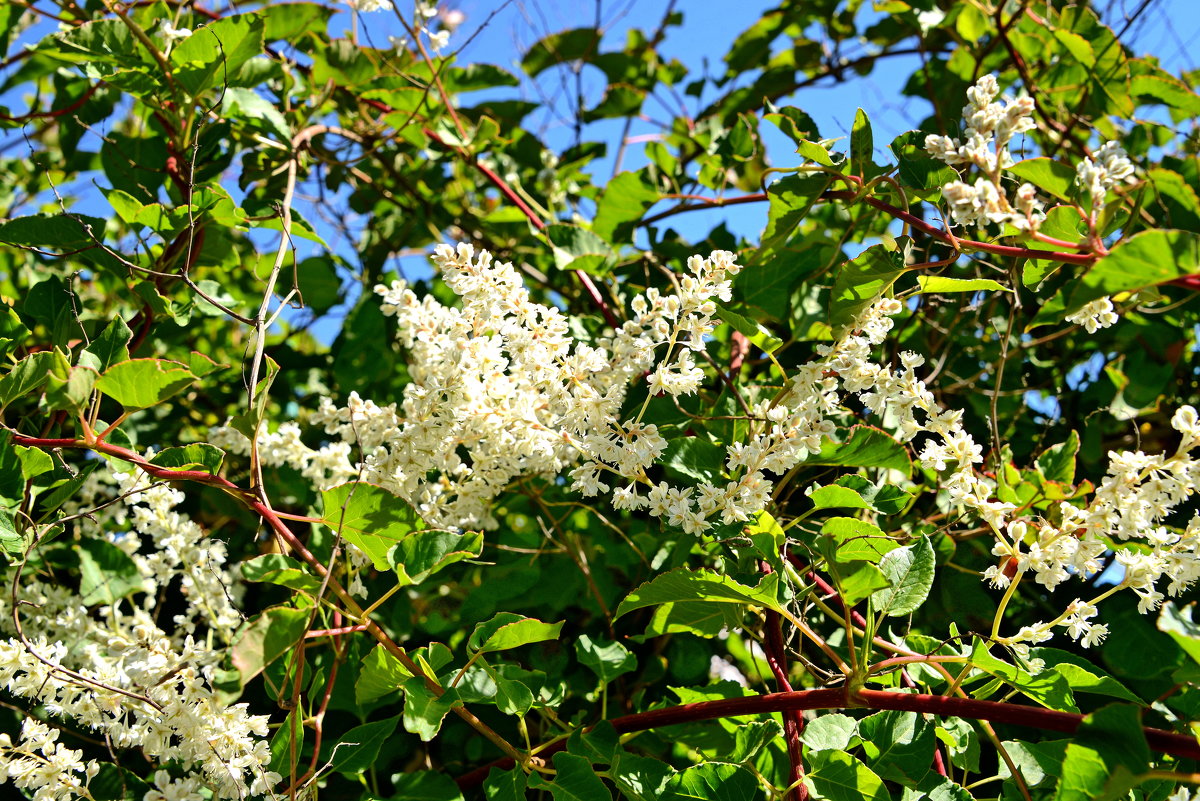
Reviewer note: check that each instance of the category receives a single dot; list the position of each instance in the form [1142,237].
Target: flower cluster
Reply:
[40,763]
[1095,315]
[1108,166]
[423,12]
[1139,491]
[111,668]
[989,128]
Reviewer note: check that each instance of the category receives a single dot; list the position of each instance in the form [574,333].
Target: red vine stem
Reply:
[263,510]
[900,214]
[1166,742]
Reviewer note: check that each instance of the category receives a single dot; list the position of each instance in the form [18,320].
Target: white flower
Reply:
[173,34]
[1095,315]
[439,40]
[368,6]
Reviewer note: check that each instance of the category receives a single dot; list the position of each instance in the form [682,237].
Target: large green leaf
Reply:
[370,517]
[142,383]
[910,570]
[606,659]
[713,781]
[215,52]
[421,554]
[838,776]
[863,446]
[705,586]
[424,710]
[277,568]
[560,48]
[106,572]
[847,539]
[267,637]
[381,673]
[863,280]
[507,630]
[356,750]
[1145,259]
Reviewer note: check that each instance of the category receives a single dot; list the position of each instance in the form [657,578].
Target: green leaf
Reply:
[357,749]
[757,334]
[789,201]
[693,459]
[267,637]
[604,658]
[561,48]
[1115,731]
[288,743]
[703,586]
[1084,774]
[34,461]
[713,781]
[248,105]
[14,543]
[1177,623]
[694,617]
[198,455]
[838,776]
[835,497]
[106,573]
[287,22]
[142,383]
[381,673]
[12,331]
[866,446]
[857,580]
[276,568]
[215,52]
[937,284]
[370,517]
[917,168]
[830,731]
[626,198]
[1145,259]
[505,785]
[885,498]
[102,41]
[28,375]
[575,780]
[1052,177]
[506,630]
[424,711]
[72,393]
[863,280]
[848,539]
[1057,462]
[1166,90]
[577,248]
[1036,761]
[425,785]
[108,348]
[1048,688]
[898,745]
[862,146]
[910,570]
[1082,675]
[423,553]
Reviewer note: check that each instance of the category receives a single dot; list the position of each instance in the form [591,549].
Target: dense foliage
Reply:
[893,500]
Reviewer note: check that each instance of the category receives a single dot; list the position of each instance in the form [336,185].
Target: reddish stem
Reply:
[793,720]
[1166,742]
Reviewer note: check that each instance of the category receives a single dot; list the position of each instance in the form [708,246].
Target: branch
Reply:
[1165,742]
